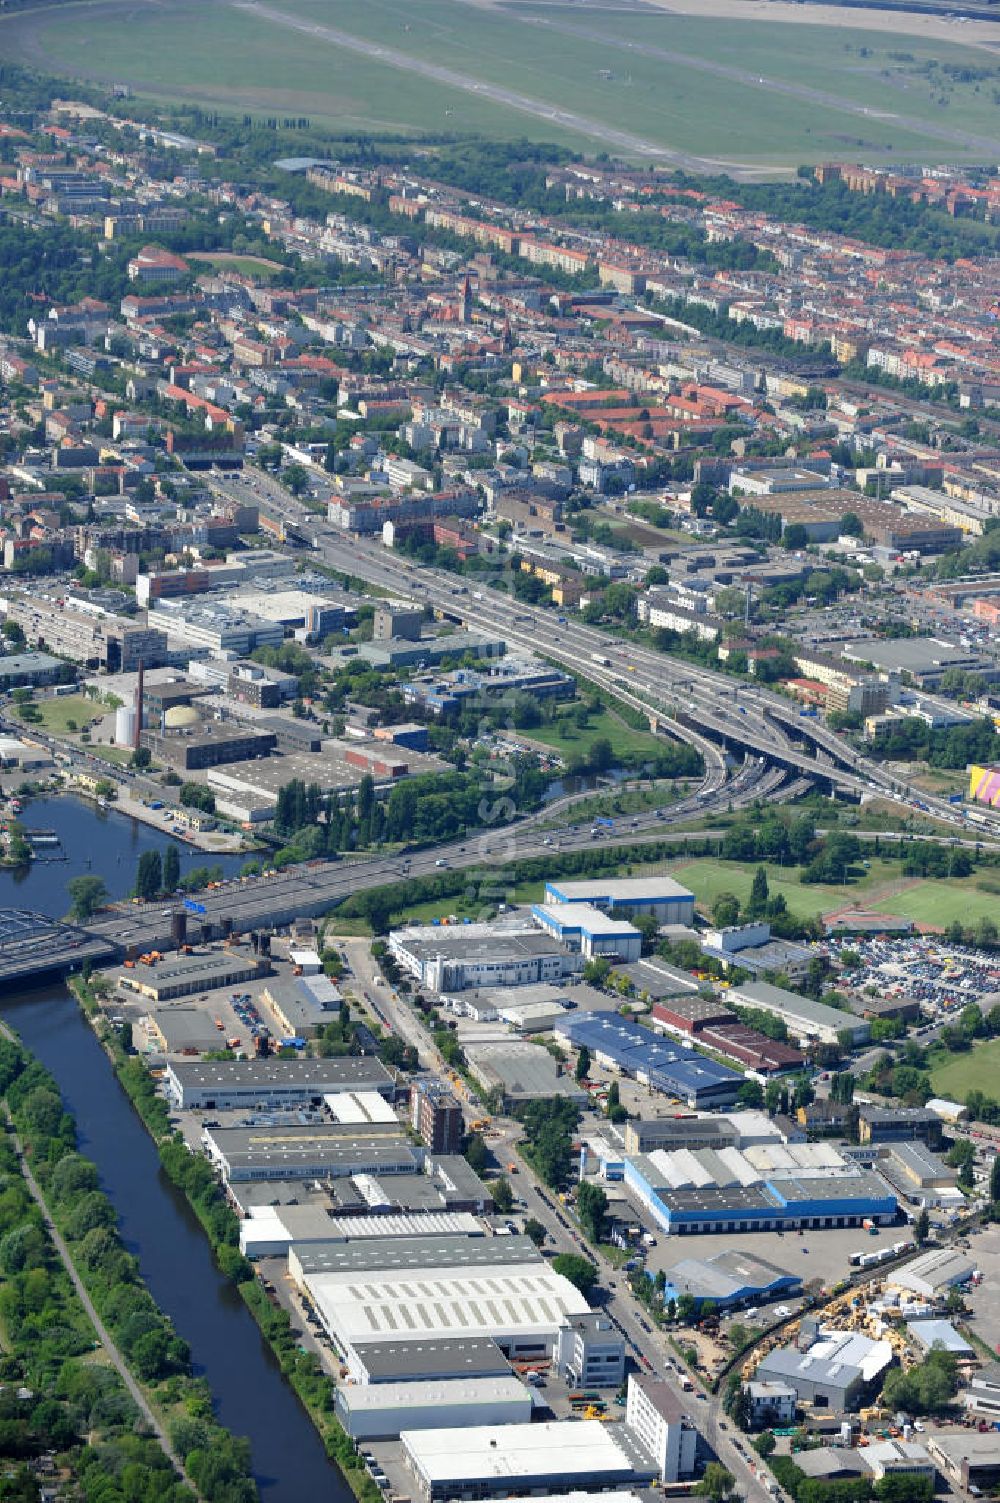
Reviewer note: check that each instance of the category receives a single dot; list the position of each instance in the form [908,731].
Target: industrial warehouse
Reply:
[666,900]
[582,927]
[216,1085]
[449,958]
[755,1189]
[625,1047]
[420,1288]
[490,1462]
[308,1152]
[577,921]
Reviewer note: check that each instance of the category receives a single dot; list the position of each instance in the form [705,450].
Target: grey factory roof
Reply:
[725,1275]
[345,1073]
[763,994]
[937,1269]
[620,890]
[522,1069]
[675,1132]
[267,1151]
[466,1356]
[914,654]
[201,970]
[919,1159]
[659,979]
[500,946]
[394,1254]
[865,1186]
[824,1463]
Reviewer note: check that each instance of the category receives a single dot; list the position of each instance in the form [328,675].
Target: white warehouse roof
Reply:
[621,890]
[440,1391]
[410,1304]
[587,1449]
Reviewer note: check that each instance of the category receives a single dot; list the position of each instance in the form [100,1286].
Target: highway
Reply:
[690,702]
[247,903]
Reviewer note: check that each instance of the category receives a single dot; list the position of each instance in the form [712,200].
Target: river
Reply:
[156,1223]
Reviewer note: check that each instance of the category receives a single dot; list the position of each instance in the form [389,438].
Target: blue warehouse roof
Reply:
[637,1051]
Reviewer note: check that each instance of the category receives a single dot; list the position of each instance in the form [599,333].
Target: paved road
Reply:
[103,1335]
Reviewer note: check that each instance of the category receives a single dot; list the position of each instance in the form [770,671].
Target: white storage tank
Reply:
[125,725]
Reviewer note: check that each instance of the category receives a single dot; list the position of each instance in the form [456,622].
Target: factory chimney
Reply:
[139,688]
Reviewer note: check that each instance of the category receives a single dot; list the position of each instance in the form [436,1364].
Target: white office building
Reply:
[661,1424]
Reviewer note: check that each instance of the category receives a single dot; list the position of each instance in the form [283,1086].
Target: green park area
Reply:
[976,1070]
[698,89]
[571,741]
[938,904]
[61,715]
[707,878]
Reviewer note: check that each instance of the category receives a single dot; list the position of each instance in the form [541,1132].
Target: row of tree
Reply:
[217,1463]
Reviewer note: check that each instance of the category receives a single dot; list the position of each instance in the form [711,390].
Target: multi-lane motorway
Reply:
[691,702]
[262,902]
[706,709]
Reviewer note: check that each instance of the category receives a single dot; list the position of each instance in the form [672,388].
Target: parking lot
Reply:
[817,1256]
[984,1249]
[230,1016]
[924,968]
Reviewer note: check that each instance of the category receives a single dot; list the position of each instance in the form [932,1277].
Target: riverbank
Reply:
[151,1359]
[194,1178]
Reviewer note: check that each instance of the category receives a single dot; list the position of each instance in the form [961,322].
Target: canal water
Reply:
[156,1223]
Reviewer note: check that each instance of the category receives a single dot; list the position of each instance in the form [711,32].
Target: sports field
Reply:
[247,266]
[938,904]
[979,1070]
[698,90]
[931,904]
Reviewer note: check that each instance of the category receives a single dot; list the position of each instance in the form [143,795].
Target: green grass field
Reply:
[978,1070]
[938,904]
[741,93]
[707,878]
[247,266]
[57,714]
[932,903]
[569,741]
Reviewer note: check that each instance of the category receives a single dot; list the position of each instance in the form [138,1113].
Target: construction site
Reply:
[818,1379]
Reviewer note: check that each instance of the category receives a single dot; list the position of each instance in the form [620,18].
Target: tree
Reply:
[148,877]
[476,1153]
[601,754]
[140,758]
[582,1063]
[503,1195]
[995,1180]
[534,1229]
[592,1209]
[171,868]
[716,1484]
[726,910]
[687,1308]
[921,1228]
[962,1156]
[87,895]
[759,893]
[580,1271]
